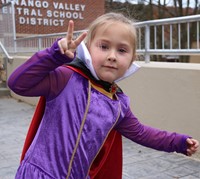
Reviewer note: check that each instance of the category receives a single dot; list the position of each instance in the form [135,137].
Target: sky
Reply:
[168,2]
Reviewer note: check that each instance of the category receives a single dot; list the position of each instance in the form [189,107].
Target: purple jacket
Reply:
[77,119]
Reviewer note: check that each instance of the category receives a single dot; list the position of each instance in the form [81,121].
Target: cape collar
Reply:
[83,62]
[78,66]
[84,55]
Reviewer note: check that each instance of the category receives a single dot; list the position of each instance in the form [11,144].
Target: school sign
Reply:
[52,16]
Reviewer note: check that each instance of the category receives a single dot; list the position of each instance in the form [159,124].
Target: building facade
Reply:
[52,16]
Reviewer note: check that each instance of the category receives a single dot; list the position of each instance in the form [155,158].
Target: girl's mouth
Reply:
[111,67]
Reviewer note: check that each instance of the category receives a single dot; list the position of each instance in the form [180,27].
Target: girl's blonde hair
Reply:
[111,18]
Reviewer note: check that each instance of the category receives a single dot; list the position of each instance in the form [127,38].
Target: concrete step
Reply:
[4,91]
[2,84]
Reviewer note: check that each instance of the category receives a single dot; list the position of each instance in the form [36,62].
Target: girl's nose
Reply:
[112,56]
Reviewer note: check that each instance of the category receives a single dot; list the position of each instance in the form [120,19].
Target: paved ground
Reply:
[139,162]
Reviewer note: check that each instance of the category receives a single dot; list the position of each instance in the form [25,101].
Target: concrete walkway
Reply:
[139,162]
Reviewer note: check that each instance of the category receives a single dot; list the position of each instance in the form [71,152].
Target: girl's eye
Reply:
[121,50]
[103,46]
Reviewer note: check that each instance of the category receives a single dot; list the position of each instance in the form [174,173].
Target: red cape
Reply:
[107,164]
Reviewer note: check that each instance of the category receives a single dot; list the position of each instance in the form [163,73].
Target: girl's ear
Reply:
[133,59]
[87,45]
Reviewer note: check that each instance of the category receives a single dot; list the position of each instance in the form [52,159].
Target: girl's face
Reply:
[111,51]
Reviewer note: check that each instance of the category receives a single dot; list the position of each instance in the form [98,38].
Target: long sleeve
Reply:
[154,138]
[42,74]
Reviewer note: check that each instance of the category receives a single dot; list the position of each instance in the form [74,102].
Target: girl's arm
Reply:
[42,74]
[154,138]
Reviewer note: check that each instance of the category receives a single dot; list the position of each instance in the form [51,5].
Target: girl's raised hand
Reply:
[67,45]
[192,146]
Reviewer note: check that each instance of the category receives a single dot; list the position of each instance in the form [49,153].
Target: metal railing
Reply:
[170,36]
[5,52]
[155,37]
[175,36]
[39,42]
[4,61]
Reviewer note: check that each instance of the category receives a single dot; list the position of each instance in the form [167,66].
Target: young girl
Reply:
[84,112]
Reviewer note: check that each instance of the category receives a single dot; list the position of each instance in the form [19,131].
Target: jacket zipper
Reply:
[80,131]
[105,139]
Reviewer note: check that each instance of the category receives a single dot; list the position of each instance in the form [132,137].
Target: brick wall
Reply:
[52,16]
